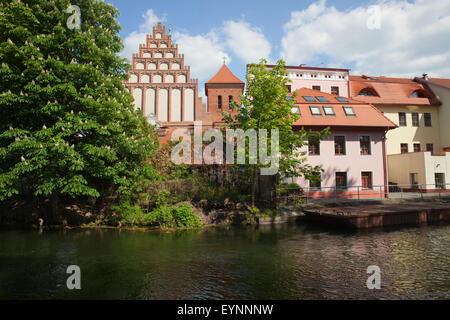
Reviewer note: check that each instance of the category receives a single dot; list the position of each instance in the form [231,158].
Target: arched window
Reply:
[219,102]
[230,99]
[418,94]
[368,92]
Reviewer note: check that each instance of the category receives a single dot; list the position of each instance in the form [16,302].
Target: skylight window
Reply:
[340,99]
[295,110]
[349,111]
[309,99]
[321,99]
[329,111]
[315,111]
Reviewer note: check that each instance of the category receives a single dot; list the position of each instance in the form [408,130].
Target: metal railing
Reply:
[298,195]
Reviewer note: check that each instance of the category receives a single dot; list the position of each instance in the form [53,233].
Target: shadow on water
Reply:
[285,261]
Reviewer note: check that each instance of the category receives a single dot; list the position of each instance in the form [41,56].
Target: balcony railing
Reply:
[298,195]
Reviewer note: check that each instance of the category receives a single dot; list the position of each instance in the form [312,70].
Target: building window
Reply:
[430,147]
[219,102]
[314,148]
[349,111]
[413,180]
[341,180]
[295,110]
[403,147]
[335,91]
[315,111]
[439,180]
[341,99]
[364,144]
[418,94]
[427,119]
[339,145]
[315,185]
[230,100]
[289,88]
[366,180]
[329,111]
[309,99]
[416,147]
[321,99]
[368,92]
[402,119]
[316,88]
[415,119]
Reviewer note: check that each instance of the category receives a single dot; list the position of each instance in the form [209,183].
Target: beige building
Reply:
[422,168]
[415,150]
[441,88]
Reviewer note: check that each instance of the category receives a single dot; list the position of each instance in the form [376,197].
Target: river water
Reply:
[290,261]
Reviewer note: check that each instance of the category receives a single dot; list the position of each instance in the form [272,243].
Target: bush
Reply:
[184,217]
[171,216]
[129,215]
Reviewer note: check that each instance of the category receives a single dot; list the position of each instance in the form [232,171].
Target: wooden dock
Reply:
[381,215]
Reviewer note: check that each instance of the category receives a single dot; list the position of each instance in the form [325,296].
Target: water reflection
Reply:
[268,262]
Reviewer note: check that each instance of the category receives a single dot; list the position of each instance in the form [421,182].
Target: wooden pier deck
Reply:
[380,215]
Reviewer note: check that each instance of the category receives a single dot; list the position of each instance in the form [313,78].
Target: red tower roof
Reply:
[224,75]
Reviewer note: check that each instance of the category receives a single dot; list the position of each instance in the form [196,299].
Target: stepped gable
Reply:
[160,81]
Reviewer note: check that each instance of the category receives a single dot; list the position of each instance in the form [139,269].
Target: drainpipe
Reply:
[348,85]
[386,187]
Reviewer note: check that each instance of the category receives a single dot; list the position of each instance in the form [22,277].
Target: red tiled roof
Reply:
[366,115]
[224,75]
[330,97]
[441,81]
[390,90]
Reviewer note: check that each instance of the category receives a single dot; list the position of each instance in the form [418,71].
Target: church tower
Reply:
[160,82]
[220,90]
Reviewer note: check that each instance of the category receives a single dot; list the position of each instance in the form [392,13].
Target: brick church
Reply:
[162,88]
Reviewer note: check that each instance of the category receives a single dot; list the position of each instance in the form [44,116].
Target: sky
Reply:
[396,38]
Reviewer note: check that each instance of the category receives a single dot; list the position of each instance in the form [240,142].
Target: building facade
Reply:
[441,88]
[328,80]
[353,157]
[414,149]
[160,82]
[162,88]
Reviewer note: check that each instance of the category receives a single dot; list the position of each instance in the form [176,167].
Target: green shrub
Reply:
[129,214]
[167,216]
[184,217]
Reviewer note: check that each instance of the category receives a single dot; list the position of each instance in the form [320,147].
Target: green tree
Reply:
[267,104]
[67,124]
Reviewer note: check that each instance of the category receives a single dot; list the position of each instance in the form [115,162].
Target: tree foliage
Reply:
[67,124]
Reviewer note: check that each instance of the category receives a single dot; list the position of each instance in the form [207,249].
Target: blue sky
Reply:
[387,37]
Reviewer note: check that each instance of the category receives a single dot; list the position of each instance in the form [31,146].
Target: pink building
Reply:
[354,155]
[329,80]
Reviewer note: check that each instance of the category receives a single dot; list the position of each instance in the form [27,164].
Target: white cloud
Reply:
[135,38]
[412,38]
[204,53]
[247,42]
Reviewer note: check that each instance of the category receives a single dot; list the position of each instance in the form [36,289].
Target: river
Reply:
[290,261]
